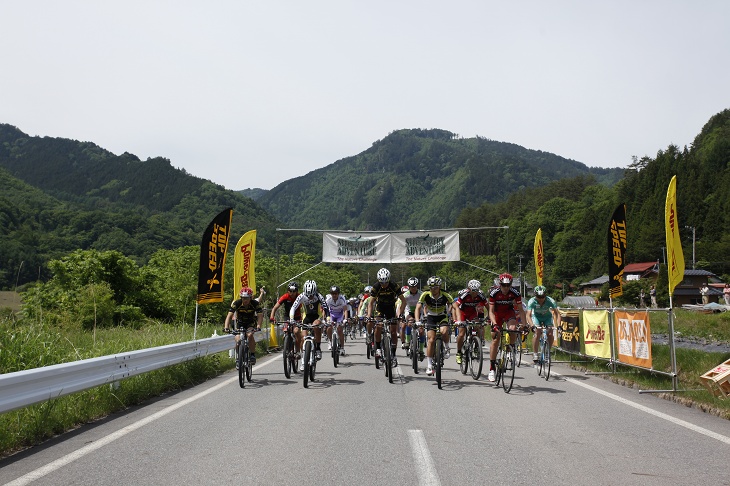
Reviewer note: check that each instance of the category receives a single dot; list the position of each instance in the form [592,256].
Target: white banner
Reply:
[356,248]
[422,246]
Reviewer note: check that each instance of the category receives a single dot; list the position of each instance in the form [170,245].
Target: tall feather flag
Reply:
[244,263]
[539,256]
[213,258]
[616,251]
[675,256]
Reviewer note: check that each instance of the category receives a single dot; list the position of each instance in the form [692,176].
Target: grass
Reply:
[26,345]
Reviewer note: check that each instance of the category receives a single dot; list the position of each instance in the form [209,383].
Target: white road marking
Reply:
[79,453]
[425,468]
[669,418]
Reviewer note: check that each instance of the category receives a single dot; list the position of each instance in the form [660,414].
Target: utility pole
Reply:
[522,282]
[694,230]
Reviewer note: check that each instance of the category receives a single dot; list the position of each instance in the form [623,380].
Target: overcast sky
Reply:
[250,94]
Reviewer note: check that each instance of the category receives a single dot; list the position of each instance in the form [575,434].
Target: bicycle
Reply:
[472,357]
[309,356]
[415,350]
[291,357]
[524,331]
[335,343]
[506,359]
[386,358]
[439,351]
[543,360]
[351,329]
[243,355]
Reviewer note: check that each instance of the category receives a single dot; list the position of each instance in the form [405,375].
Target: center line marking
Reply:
[425,468]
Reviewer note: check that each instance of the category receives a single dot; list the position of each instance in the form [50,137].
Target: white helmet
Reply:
[474,285]
[383,275]
[310,288]
[413,282]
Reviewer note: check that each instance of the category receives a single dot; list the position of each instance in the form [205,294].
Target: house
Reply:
[637,271]
[688,290]
[594,286]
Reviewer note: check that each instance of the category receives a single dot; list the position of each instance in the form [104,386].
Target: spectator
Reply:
[652,294]
[726,294]
[705,293]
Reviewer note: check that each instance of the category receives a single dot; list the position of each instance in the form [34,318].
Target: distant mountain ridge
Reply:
[417,178]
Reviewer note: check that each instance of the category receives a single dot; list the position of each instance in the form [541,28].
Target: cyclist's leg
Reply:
[536,341]
[341,335]
[460,339]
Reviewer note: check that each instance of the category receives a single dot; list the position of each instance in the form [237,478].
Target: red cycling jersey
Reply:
[505,305]
[471,307]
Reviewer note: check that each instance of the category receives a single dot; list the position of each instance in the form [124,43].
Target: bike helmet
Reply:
[245,292]
[434,281]
[383,275]
[293,287]
[404,289]
[505,279]
[368,289]
[334,289]
[413,282]
[540,291]
[474,285]
[310,288]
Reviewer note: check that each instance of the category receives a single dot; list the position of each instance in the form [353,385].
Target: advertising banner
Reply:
[355,248]
[675,256]
[616,251]
[431,246]
[633,332]
[569,331]
[213,258]
[244,264]
[596,334]
[539,256]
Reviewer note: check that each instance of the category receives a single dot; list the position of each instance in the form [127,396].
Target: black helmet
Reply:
[334,289]
[293,287]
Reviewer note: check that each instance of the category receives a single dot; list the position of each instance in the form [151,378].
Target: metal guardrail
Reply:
[23,388]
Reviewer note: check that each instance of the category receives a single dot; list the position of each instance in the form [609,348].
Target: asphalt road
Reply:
[353,427]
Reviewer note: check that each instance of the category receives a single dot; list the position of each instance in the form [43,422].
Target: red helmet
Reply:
[505,279]
[245,292]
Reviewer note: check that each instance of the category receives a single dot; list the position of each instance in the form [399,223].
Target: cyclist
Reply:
[338,308]
[407,308]
[312,302]
[505,307]
[437,307]
[472,303]
[248,313]
[541,311]
[352,304]
[384,296]
[286,300]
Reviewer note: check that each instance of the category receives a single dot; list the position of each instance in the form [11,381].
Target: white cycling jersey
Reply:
[337,307]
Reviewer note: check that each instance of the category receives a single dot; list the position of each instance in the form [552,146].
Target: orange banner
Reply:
[633,333]
[596,334]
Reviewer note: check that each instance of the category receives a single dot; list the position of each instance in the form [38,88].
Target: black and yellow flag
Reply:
[616,251]
[213,258]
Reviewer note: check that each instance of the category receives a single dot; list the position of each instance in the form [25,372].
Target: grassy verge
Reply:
[25,345]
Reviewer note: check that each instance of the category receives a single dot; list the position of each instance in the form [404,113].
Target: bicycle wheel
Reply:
[388,365]
[476,357]
[249,366]
[414,354]
[547,360]
[335,348]
[541,357]
[312,369]
[307,356]
[464,365]
[508,374]
[368,345]
[438,360]
[241,363]
[518,353]
[287,352]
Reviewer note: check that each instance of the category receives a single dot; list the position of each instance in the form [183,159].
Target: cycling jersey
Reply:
[385,297]
[411,301]
[436,306]
[363,309]
[337,307]
[287,300]
[505,304]
[542,314]
[246,315]
[310,306]
[472,307]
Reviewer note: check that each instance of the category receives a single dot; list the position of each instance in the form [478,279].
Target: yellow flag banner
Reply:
[675,256]
[596,335]
[539,256]
[634,337]
[244,263]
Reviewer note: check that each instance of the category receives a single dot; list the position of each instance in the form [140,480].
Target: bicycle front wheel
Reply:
[476,357]
[242,355]
[541,358]
[287,355]
[307,362]
[464,365]
[414,354]
[508,376]
[249,366]
[547,360]
[387,359]
[438,360]
[335,349]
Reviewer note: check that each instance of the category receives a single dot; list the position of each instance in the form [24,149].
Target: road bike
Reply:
[335,344]
[472,357]
[309,354]
[543,358]
[415,350]
[243,355]
[506,358]
[439,351]
[290,356]
[387,359]
[351,328]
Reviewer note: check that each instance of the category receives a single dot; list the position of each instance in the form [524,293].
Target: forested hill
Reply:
[61,195]
[417,179]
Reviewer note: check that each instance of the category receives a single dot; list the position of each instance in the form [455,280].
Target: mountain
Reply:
[417,179]
[255,193]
